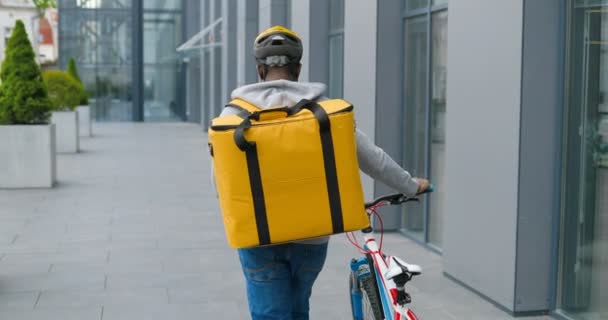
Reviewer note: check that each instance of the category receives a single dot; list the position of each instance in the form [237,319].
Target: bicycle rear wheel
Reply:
[370,300]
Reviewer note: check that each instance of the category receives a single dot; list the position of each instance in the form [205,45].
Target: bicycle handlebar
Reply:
[397,198]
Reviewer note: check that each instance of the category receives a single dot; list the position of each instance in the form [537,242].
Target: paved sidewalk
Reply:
[132,231]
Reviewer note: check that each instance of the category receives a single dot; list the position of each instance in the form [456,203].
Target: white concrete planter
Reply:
[28,156]
[84,121]
[66,124]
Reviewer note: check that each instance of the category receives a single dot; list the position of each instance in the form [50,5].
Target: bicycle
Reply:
[377,281]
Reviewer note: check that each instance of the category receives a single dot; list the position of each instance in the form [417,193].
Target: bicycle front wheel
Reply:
[370,295]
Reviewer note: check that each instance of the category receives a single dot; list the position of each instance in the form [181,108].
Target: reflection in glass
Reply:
[162,34]
[162,4]
[439,2]
[101,43]
[95,4]
[416,55]
[584,237]
[438,115]
[415,4]
[336,66]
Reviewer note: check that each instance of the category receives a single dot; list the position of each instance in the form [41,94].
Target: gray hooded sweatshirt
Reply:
[372,159]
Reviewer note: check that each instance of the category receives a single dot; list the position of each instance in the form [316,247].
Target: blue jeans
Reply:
[280,278]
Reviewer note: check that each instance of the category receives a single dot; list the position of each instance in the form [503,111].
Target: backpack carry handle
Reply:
[270,114]
[318,111]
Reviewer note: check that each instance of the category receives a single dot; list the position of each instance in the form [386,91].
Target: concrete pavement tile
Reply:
[21,300]
[212,293]
[217,311]
[53,314]
[92,298]
[50,281]
[437,314]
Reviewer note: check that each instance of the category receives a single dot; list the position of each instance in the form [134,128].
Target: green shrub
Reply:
[64,91]
[73,71]
[23,95]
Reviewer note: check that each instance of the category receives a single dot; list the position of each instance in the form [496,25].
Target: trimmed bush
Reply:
[64,91]
[73,71]
[23,95]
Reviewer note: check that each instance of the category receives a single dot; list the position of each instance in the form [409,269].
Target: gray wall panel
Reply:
[360,78]
[273,12]
[482,150]
[265,14]
[539,154]
[389,90]
[193,73]
[319,40]
[301,25]
[247,26]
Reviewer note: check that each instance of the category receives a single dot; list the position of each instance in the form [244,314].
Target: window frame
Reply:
[428,11]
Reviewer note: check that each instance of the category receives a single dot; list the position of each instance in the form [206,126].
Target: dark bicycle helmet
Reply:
[277,46]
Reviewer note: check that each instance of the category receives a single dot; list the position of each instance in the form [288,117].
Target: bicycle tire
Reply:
[370,295]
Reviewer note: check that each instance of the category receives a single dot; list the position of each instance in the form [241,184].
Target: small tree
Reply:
[73,71]
[23,95]
[64,91]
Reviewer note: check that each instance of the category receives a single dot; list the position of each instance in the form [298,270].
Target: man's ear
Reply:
[299,70]
[261,73]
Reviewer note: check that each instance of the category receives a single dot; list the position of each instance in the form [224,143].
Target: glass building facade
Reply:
[583,280]
[130,73]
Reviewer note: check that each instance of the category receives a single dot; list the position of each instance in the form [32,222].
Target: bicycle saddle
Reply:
[398,266]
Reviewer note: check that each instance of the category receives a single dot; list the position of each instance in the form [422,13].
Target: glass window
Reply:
[416,62]
[101,41]
[94,4]
[162,34]
[584,237]
[336,15]
[438,115]
[336,66]
[162,4]
[99,35]
[439,2]
[411,5]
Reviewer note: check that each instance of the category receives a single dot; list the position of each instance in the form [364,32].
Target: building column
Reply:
[229,49]
[192,64]
[502,167]
[247,24]
[137,80]
[360,67]
[389,95]
[204,18]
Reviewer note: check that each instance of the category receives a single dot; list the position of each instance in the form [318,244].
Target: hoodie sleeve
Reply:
[379,165]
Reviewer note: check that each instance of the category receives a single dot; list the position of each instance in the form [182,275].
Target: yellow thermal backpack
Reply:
[287,173]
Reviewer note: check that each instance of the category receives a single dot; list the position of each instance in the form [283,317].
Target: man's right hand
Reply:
[423,184]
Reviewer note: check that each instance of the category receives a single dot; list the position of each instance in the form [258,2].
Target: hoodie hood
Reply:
[279,93]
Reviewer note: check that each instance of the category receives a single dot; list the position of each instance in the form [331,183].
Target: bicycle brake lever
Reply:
[403,199]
